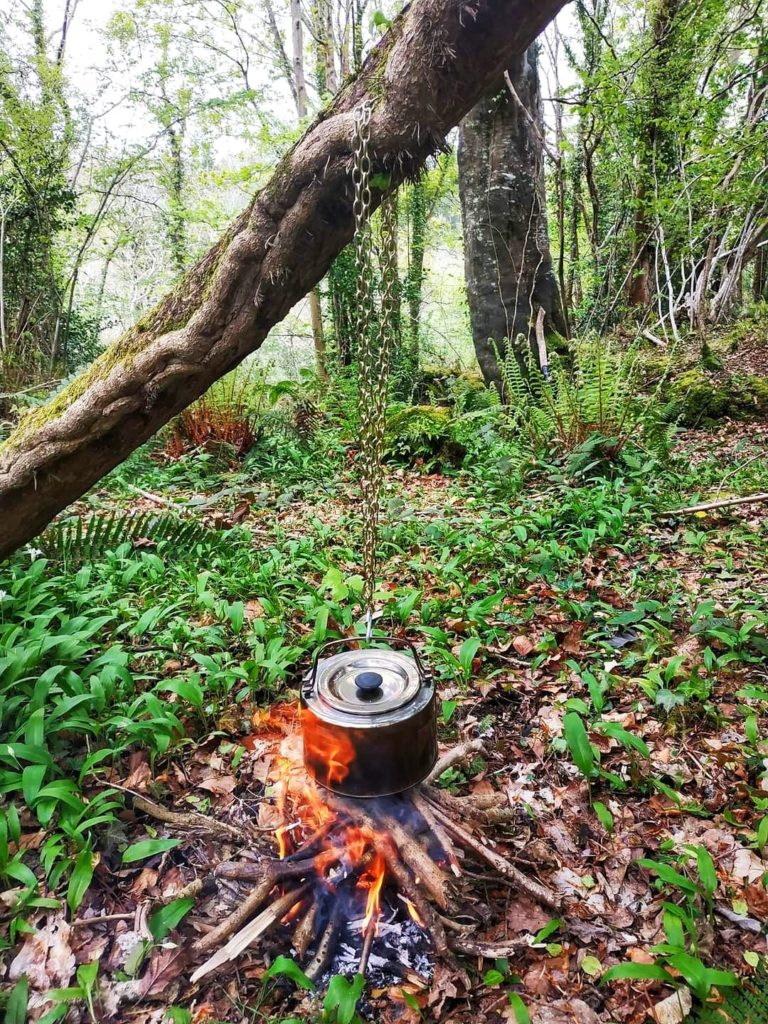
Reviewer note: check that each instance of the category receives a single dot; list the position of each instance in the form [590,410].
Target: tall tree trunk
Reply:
[506,245]
[297,37]
[414,277]
[760,278]
[655,155]
[315,306]
[425,75]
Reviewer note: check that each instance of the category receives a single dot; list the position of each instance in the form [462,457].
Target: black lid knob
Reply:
[368,682]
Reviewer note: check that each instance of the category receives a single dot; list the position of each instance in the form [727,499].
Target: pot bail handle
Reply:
[310,680]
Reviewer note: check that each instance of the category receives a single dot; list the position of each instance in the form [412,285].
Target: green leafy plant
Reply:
[593,410]
[341,999]
[421,433]
[78,540]
[747,1004]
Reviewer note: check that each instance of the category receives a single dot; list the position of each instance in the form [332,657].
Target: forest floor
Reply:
[564,610]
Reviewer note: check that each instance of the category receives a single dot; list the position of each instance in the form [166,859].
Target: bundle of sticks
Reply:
[429,845]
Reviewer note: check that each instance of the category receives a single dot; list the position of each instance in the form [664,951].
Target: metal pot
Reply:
[368,719]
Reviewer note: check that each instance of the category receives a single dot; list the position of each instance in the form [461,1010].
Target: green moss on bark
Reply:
[696,398]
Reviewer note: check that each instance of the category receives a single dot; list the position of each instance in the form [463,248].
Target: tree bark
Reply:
[760,279]
[508,264]
[656,157]
[434,64]
[315,306]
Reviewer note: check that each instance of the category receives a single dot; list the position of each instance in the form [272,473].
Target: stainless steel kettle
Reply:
[369,719]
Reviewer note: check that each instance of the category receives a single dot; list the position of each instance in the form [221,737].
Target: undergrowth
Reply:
[121,633]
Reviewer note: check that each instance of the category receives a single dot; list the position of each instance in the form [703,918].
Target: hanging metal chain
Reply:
[374,335]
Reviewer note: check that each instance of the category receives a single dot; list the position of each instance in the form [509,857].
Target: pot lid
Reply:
[369,682]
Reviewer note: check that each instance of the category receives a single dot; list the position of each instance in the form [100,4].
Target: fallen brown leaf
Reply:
[523,645]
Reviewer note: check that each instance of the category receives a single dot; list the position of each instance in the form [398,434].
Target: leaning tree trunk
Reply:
[438,59]
[507,261]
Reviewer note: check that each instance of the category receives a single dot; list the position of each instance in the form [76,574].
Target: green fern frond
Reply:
[79,539]
[745,1005]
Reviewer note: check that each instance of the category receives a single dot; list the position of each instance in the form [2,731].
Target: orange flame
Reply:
[372,880]
[303,811]
[293,912]
[330,752]
[282,843]
[414,914]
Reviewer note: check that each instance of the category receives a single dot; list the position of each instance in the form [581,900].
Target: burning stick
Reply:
[521,882]
[325,947]
[305,931]
[365,956]
[313,844]
[428,920]
[279,870]
[387,849]
[242,940]
[434,880]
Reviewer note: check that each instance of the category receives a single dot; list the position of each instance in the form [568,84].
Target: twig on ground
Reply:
[488,950]
[709,506]
[466,807]
[524,884]
[453,756]
[79,921]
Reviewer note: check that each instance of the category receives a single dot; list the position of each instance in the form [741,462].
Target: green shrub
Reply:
[422,433]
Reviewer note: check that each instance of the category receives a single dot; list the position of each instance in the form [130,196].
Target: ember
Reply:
[367,883]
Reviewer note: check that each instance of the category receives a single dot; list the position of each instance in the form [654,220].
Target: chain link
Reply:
[374,338]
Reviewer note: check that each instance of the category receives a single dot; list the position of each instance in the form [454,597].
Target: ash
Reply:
[400,948]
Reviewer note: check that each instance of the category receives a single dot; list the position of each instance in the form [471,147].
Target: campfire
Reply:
[375,886]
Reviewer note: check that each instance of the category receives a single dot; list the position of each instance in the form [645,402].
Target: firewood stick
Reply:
[466,808]
[438,831]
[434,880]
[254,872]
[365,956]
[533,889]
[453,756]
[242,939]
[188,821]
[488,950]
[325,947]
[305,931]
[250,904]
